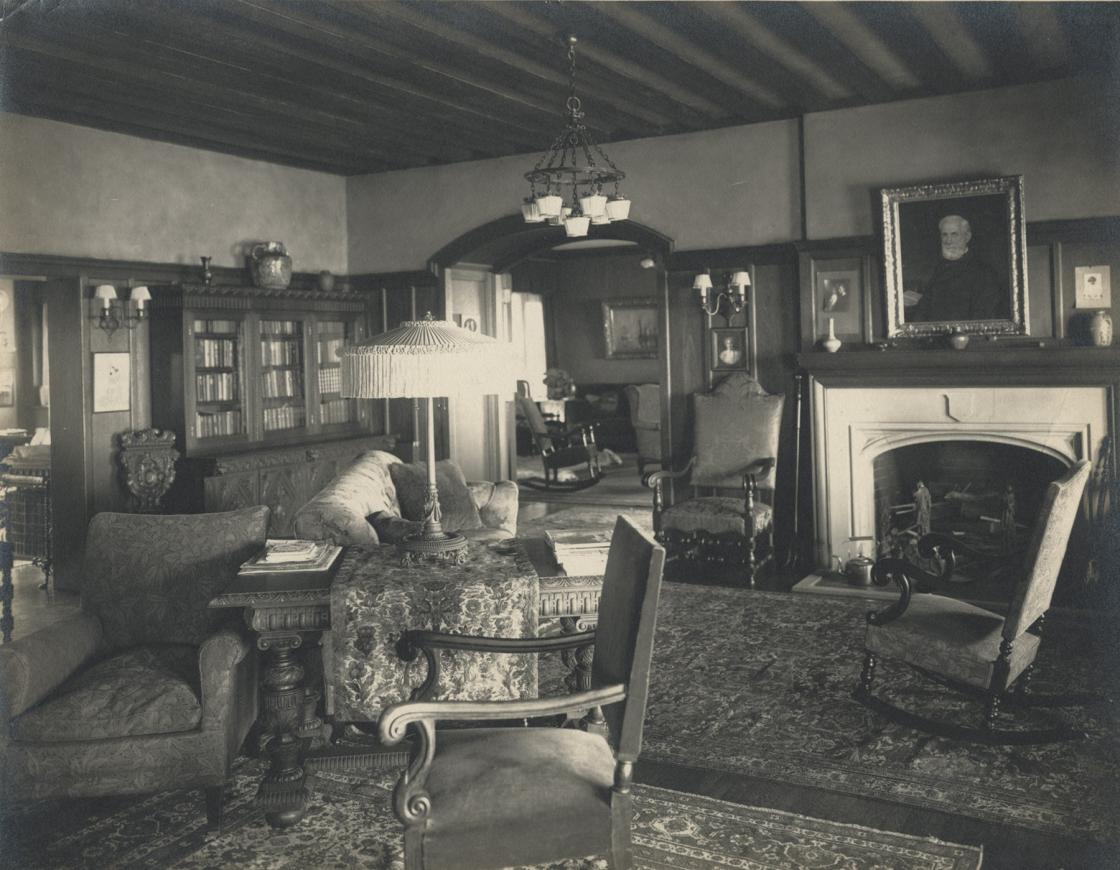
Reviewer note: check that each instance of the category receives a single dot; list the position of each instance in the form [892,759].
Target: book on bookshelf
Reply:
[280,555]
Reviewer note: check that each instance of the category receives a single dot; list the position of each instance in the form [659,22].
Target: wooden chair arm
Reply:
[759,467]
[415,641]
[885,571]
[394,721]
[653,481]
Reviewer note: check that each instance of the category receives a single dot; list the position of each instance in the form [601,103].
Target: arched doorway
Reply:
[476,274]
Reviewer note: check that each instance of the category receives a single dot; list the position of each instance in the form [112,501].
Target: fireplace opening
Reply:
[986,494]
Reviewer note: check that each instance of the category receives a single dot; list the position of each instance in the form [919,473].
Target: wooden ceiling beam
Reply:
[534,117]
[864,44]
[949,33]
[209,119]
[736,19]
[593,49]
[520,63]
[691,53]
[44,106]
[364,99]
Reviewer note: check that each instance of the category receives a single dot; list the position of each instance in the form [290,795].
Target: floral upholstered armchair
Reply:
[142,689]
[378,499]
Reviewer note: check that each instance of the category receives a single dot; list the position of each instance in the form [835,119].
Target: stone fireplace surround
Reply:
[865,403]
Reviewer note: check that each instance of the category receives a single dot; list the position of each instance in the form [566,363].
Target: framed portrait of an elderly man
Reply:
[954,258]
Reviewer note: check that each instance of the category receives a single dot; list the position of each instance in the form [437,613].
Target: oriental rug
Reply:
[350,823]
[760,683]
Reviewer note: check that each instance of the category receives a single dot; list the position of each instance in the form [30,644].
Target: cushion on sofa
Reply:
[150,689]
[411,482]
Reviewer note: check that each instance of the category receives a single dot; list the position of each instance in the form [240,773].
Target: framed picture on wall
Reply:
[729,349]
[111,382]
[835,286]
[630,328]
[954,258]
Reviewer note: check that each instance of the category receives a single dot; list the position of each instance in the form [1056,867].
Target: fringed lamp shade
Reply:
[423,359]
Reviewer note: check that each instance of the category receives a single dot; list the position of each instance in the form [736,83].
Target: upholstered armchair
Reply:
[645,416]
[983,653]
[378,499]
[142,689]
[723,508]
[559,447]
[495,797]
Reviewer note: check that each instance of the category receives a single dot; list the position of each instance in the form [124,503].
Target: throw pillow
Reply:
[411,481]
[390,528]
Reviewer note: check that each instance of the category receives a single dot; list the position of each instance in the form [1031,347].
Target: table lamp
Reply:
[426,359]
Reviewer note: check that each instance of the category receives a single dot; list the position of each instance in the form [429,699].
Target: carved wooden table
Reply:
[284,610]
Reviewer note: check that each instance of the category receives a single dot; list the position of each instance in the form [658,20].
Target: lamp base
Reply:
[443,547]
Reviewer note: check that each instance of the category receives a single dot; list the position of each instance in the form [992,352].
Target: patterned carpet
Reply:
[620,485]
[350,824]
[765,680]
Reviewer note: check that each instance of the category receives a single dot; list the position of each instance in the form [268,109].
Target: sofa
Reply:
[361,506]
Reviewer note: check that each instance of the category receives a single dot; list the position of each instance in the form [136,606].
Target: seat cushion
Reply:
[458,509]
[511,796]
[715,515]
[152,689]
[953,638]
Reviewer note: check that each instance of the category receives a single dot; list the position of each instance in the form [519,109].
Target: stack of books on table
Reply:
[581,553]
[280,555]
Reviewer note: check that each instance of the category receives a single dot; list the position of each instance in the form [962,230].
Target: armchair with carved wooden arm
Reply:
[968,647]
[500,796]
[735,438]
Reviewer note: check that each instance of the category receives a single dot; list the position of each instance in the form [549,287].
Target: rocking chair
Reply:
[559,447]
[967,647]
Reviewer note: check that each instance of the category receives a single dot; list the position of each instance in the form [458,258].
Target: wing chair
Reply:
[494,797]
[141,690]
[971,648]
[645,416]
[735,430]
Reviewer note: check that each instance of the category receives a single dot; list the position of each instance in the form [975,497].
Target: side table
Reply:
[281,608]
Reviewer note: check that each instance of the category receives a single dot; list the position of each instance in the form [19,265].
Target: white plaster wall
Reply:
[721,188]
[77,191]
[1062,136]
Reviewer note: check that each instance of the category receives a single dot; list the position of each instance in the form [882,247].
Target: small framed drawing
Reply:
[729,349]
[954,258]
[112,382]
[834,286]
[630,328]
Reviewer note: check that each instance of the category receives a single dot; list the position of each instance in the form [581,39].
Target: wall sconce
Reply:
[735,293]
[113,313]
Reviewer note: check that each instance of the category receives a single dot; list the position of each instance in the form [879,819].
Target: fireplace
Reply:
[893,423]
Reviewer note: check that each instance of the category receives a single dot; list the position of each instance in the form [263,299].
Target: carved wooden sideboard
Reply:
[284,478]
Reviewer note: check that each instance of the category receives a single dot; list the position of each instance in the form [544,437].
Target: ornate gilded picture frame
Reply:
[954,258]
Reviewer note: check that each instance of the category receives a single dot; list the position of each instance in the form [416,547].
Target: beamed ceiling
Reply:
[358,87]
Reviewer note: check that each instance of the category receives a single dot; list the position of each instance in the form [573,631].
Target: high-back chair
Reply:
[735,433]
[645,416]
[969,647]
[559,447]
[495,797]
[143,689]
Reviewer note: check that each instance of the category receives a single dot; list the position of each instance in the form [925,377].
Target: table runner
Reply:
[374,599]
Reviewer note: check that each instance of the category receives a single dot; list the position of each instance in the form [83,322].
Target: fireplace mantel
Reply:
[985,362]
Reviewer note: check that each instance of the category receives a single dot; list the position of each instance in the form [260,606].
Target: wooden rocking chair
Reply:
[967,647]
[559,447]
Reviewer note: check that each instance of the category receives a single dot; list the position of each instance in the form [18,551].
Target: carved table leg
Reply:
[579,660]
[282,794]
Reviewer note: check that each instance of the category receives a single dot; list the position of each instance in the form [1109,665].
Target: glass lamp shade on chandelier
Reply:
[566,185]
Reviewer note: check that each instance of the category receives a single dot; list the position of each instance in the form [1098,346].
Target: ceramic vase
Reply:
[270,265]
[1100,329]
[832,343]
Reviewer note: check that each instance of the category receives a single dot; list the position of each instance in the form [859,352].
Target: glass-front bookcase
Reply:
[255,369]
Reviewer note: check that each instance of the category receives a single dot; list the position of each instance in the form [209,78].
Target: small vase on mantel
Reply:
[1100,329]
[832,343]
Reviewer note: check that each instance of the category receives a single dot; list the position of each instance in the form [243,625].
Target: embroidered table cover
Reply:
[374,599]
